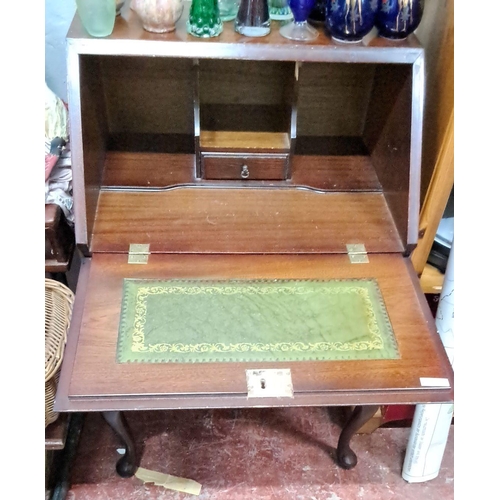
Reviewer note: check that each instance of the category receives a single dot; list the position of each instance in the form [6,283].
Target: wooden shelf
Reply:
[244,141]
[148,170]
[163,170]
[129,38]
[335,173]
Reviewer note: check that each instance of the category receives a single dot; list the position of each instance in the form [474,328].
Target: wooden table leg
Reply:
[345,456]
[126,465]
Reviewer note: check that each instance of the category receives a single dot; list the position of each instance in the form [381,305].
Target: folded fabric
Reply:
[58,174]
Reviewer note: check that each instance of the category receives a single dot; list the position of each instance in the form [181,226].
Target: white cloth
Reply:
[56,117]
[59,185]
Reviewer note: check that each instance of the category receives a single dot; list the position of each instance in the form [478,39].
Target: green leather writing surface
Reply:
[267,320]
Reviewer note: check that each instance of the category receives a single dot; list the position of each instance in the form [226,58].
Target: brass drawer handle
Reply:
[244,172]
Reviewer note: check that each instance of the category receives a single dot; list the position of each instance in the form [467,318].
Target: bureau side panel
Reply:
[89,132]
[391,137]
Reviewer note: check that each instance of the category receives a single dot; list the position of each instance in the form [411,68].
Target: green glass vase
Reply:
[204,19]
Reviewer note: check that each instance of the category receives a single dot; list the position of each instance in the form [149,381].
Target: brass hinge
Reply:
[138,253]
[357,253]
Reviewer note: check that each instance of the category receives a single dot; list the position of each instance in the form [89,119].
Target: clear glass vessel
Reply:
[253,18]
[228,9]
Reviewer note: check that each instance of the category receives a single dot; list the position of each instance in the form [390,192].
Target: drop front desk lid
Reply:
[94,378]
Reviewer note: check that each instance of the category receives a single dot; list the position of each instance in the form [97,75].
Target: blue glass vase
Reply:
[350,20]
[396,19]
[299,29]
[318,12]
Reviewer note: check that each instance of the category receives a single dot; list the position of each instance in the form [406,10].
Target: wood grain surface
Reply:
[336,173]
[161,170]
[148,94]
[225,220]
[241,141]
[388,137]
[129,38]
[258,167]
[333,99]
[92,379]
[154,170]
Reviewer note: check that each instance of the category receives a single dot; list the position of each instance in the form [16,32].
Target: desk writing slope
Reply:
[94,378]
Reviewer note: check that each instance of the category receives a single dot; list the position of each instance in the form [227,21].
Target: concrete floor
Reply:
[256,454]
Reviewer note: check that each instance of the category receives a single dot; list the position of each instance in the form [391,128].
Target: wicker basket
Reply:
[58,308]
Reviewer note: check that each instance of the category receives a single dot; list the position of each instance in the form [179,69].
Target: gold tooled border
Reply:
[138,335]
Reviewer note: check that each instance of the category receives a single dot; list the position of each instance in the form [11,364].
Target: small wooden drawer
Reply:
[244,167]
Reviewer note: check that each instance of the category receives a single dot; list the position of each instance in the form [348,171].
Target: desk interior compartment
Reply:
[334,128]
[245,116]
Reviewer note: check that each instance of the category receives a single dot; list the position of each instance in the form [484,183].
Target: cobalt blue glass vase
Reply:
[350,20]
[299,29]
[317,15]
[396,19]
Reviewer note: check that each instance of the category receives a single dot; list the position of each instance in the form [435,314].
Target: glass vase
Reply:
[397,19]
[158,16]
[97,16]
[279,10]
[350,20]
[318,12]
[299,29]
[204,19]
[253,18]
[228,9]
[119,5]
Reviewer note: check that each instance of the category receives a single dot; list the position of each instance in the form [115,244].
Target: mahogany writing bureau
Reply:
[250,160]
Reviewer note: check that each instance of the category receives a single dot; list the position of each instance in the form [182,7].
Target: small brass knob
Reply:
[244,172]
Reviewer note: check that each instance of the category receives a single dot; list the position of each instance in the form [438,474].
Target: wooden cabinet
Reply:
[238,158]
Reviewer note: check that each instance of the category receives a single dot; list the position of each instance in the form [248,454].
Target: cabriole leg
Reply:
[126,465]
[346,457]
